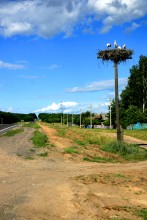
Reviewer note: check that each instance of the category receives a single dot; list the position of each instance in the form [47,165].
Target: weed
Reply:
[39,139]
[139,193]
[44,154]
[29,158]
[13,132]
[71,150]
[142,213]
[119,175]
[19,155]
[32,149]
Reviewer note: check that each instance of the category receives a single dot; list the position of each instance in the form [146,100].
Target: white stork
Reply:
[108,45]
[115,44]
[124,47]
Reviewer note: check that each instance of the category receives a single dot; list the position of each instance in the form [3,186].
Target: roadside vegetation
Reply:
[127,151]
[13,132]
[39,139]
[32,125]
[94,145]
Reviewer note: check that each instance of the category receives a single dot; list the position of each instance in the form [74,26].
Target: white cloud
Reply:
[99,86]
[53,66]
[10,65]
[133,27]
[51,17]
[63,106]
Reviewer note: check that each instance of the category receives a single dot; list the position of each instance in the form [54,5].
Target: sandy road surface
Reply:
[56,187]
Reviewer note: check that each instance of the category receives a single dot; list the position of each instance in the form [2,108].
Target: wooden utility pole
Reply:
[80,118]
[110,115]
[119,136]
[116,55]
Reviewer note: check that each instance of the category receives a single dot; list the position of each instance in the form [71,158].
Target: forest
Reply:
[10,118]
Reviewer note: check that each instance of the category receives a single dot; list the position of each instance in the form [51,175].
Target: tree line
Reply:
[86,118]
[9,118]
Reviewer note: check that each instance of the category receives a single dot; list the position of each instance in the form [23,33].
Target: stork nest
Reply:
[115,55]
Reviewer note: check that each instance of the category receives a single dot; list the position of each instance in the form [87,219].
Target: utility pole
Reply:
[110,114]
[80,118]
[72,120]
[61,106]
[117,102]
[91,116]
[116,55]
[67,120]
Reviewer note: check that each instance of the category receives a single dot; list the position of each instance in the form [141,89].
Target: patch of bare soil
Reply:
[56,187]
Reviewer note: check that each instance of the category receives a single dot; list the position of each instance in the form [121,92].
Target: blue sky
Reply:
[48,52]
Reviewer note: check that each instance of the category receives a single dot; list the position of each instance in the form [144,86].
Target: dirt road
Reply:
[61,187]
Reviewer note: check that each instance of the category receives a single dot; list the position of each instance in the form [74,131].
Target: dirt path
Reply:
[57,187]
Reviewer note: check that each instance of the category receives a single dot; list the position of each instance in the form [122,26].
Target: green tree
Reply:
[135,92]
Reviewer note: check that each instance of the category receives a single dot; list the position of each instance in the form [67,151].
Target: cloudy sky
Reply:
[48,52]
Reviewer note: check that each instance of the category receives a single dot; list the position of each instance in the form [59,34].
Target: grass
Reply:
[142,213]
[127,151]
[32,125]
[119,175]
[140,134]
[92,136]
[99,159]
[39,139]
[13,132]
[29,158]
[71,150]
[81,143]
[62,131]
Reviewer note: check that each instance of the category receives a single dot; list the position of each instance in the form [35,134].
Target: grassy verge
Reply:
[127,151]
[140,134]
[13,132]
[32,125]
[39,139]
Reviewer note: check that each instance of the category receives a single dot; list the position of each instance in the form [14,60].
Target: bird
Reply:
[124,47]
[119,47]
[115,44]
[108,45]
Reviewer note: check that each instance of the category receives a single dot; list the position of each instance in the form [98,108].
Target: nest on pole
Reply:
[115,55]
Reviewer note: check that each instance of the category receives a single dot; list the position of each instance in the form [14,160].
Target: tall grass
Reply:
[127,151]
